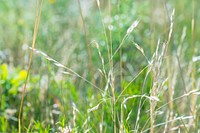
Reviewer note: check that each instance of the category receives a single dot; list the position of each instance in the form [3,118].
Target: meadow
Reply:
[100,66]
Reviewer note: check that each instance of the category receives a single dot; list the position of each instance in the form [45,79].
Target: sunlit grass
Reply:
[99,66]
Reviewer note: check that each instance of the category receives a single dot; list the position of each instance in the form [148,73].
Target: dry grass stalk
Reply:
[112,85]
[192,92]
[37,21]
[168,62]
[152,27]
[170,89]
[157,86]
[104,30]
[123,105]
[120,51]
[69,70]
[124,89]
[102,59]
[193,99]
[128,32]
[181,118]
[195,92]
[91,67]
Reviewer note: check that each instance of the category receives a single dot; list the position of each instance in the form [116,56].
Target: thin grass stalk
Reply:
[120,50]
[69,70]
[195,92]
[104,30]
[119,96]
[110,30]
[37,21]
[120,69]
[120,45]
[181,118]
[169,77]
[170,18]
[152,106]
[152,27]
[121,130]
[102,60]
[168,61]
[102,119]
[165,19]
[91,66]
[193,53]
[112,71]
[167,118]
[193,100]
[123,104]
[170,91]
[109,50]
[137,125]
[63,99]
[157,61]
[152,49]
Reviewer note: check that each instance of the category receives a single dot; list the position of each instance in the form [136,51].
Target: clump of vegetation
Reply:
[99,66]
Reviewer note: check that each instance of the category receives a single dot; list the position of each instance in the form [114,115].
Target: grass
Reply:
[99,66]
[37,21]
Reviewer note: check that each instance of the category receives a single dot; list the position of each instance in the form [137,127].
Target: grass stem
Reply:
[37,21]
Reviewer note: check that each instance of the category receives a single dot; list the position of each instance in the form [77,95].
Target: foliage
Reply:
[150,85]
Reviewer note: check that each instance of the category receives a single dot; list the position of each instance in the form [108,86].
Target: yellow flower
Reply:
[21,77]
[4,71]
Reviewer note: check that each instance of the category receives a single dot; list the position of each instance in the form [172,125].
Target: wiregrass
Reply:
[154,108]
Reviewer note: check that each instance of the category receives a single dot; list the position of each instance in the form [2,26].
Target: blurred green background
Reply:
[55,100]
